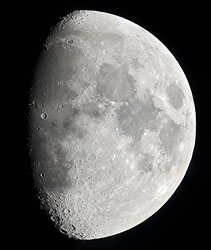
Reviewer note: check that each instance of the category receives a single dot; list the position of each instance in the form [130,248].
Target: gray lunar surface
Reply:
[112,123]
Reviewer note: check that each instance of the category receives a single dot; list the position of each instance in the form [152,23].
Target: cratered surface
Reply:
[113,125]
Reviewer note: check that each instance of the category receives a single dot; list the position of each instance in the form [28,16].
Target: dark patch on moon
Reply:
[92,110]
[52,167]
[72,129]
[145,164]
[175,96]
[59,123]
[136,64]
[114,83]
[51,171]
[55,68]
[112,39]
[134,117]
[171,135]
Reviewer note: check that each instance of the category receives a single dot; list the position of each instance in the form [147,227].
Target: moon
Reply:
[112,122]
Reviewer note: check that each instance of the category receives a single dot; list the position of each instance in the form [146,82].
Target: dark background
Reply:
[183,220]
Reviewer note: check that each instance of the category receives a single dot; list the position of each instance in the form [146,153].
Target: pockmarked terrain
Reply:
[112,124]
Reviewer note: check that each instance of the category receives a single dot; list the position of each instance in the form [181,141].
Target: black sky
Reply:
[183,221]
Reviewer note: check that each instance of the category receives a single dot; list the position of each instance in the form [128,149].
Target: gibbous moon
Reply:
[112,123]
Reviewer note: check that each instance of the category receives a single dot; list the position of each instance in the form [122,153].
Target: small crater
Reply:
[63,230]
[70,41]
[44,116]
[103,43]
[92,157]
[42,175]
[55,218]
[66,211]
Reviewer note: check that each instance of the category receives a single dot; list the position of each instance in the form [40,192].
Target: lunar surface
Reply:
[112,125]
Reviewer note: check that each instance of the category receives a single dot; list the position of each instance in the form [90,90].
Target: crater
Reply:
[175,96]
[43,116]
